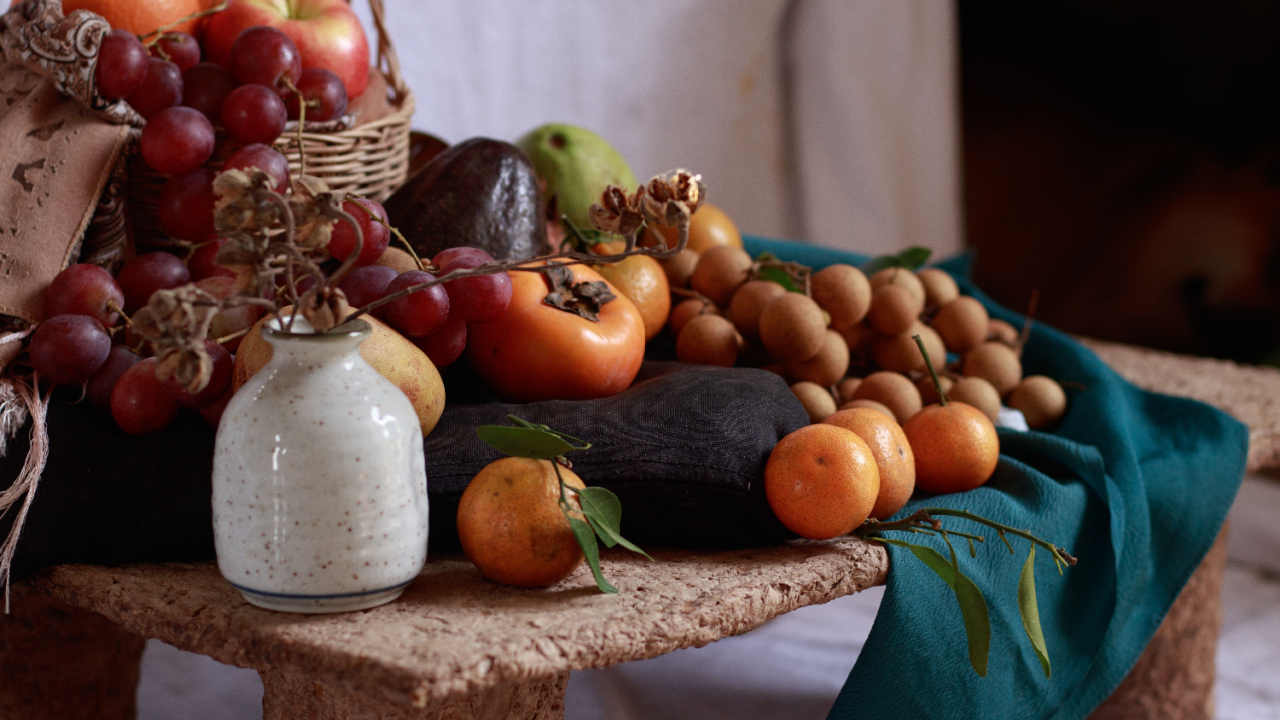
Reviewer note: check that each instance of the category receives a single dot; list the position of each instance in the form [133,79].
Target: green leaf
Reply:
[525,442]
[930,557]
[587,541]
[604,512]
[911,258]
[1030,611]
[977,623]
[780,276]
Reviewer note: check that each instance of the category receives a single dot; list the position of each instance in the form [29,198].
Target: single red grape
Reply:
[99,389]
[68,349]
[147,273]
[84,289]
[364,285]
[139,403]
[421,312]
[219,380]
[444,346]
[476,299]
[203,261]
[213,413]
[376,235]
[177,140]
[263,55]
[253,114]
[122,65]
[324,93]
[185,209]
[205,86]
[161,89]
[450,254]
[182,49]
[263,157]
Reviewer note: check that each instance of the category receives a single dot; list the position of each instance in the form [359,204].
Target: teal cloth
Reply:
[1135,484]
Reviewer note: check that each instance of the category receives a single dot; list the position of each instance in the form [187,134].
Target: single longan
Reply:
[979,393]
[817,401]
[867,404]
[1001,331]
[900,352]
[792,327]
[893,390]
[901,277]
[962,323]
[397,259]
[828,366]
[939,287]
[995,362]
[708,340]
[857,337]
[680,268]
[1041,400]
[720,271]
[929,393]
[846,388]
[686,310]
[843,291]
[893,309]
[747,304]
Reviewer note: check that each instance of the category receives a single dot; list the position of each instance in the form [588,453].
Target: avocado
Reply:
[479,193]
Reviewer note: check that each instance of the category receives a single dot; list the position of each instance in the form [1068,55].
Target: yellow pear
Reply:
[389,352]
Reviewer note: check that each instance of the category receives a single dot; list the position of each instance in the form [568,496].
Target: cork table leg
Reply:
[291,697]
[59,661]
[1173,679]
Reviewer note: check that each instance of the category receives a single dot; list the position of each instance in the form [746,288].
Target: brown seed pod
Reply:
[686,310]
[901,277]
[1001,331]
[792,327]
[939,287]
[867,404]
[979,393]
[929,393]
[708,340]
[845,389]
[893,309]
[1041,400]
[680,268]
[843,291]
[900,353]
[828,366]
[893,390]
[997,363]
[817,401]
[747,304]
[962,323]
[720,271]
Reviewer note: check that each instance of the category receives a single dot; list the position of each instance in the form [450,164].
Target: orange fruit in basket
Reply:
[511,524]
[642,280]
[894,457]
[708,227]
[956,447]
[821,481]
[142,16]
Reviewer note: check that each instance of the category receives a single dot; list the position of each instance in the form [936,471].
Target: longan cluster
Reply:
[849,341]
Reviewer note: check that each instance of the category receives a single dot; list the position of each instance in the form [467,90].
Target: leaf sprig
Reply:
[973,606]
[599,512]
[911,258]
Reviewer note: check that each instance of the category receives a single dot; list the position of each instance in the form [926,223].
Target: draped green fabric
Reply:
[1135,484]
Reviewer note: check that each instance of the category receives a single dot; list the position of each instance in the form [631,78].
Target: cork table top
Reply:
[454,633]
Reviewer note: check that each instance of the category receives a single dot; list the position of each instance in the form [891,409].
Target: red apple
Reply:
[327,32]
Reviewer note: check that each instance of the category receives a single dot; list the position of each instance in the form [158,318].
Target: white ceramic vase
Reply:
[319,480]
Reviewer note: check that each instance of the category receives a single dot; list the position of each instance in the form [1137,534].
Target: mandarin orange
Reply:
[821,481]
[956,447]
[894,458]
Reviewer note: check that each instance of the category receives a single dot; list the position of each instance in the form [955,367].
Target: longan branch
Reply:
[1058,552]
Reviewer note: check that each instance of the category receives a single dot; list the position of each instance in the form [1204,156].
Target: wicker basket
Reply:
[371,159]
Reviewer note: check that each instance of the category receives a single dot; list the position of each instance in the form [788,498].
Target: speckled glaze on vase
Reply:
[319,480]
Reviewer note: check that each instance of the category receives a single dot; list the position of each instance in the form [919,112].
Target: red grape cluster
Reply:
[184,100]
[74,346]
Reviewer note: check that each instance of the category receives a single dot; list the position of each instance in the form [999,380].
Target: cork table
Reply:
[458,646]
